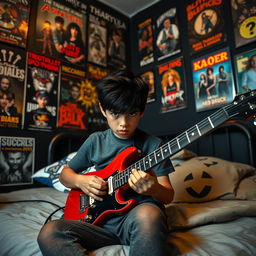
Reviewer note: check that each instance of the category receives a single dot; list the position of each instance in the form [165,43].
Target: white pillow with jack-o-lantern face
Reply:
[203,179]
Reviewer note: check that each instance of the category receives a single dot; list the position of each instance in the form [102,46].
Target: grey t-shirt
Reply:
[100,148]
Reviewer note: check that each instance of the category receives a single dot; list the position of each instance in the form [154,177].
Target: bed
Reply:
[213,211]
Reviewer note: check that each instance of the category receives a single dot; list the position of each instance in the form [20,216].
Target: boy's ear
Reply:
[102,110]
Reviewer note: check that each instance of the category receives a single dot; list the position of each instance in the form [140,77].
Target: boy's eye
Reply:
[133,113]
[114,114]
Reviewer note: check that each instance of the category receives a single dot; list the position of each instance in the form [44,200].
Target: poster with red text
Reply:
[12,84]
[41,93]
[206,26]
[172,81]
[60,30]
[213,80]
[14,19]
[72,112]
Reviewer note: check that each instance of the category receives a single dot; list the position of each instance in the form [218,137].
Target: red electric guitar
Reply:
[81,207]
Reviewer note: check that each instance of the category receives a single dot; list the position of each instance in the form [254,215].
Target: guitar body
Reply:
[78,206]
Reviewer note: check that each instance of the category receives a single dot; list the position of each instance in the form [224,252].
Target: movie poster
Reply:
[149,78]
[116,36]
[60,30]
[97,41]
[14,18]
[145,42]
[172,82]
[167,34]
[206,26]
[16,160]
[245,64]
[41,93]
[213,80]
[244,21]
[12,84]
[96,121]
[72,112]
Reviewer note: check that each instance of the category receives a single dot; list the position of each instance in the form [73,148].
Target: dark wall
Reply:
[177,121]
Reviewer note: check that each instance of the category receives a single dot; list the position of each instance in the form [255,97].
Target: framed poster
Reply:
[16,160]
[14,19]
[172,81]
[213,80]
[12,85]
[245,64]
[167,34]
[244,21]
[205,19]
[149,78]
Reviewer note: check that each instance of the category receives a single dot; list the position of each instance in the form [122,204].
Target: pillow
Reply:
[202,179]
[49,175]
[247,189]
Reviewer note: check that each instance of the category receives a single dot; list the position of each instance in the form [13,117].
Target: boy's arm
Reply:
[91,185]
[158,187]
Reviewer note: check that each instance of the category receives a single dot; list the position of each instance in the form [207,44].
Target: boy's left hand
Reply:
[142,182]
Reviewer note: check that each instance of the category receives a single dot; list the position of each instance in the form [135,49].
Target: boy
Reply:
[122,99]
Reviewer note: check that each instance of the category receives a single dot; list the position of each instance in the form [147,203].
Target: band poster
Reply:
[41,93]
[14,18]
[95,120]
[107,39]
[206,26]
[213,80]
[149,78]
[245,64]
[72,112]
[172,82]
[145,42]
[60,31]
[244,21]
[12,84]
[167,34]
[16,160]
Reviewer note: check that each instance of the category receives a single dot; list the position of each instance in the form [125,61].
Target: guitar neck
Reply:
[172,147]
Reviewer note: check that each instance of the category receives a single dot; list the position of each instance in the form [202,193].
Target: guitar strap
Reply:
[139,140]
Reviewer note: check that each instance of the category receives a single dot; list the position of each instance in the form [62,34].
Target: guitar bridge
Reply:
[85,202]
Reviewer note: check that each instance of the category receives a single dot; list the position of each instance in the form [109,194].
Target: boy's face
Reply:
[122,124]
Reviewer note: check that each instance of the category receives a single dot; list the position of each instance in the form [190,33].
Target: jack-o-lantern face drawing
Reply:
[204,191]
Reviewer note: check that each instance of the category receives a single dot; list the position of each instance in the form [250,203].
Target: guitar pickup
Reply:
[84,202]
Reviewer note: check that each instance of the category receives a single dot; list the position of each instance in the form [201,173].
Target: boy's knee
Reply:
[47,232]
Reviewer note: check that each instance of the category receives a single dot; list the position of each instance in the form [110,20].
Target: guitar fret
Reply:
[178,142]
[210,121]
[187,137]
[198,130]
[169,146]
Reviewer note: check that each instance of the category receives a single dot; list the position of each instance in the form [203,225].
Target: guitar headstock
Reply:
[243,106]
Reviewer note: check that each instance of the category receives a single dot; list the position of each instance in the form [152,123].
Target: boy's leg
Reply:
[67,237]
[144,228]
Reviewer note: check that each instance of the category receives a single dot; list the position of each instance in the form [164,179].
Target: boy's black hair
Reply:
[122,92]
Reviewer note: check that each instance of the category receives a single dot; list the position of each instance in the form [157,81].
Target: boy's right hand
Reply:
[93,186]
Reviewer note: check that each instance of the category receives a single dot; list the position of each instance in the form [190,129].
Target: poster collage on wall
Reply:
[214,81]
[52,55]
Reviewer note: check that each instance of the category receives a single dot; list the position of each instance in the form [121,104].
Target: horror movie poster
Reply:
[245,64]
[167,34]
[145,42]
[16,160]
[12,83]
[213,80]
[107,40]
[244,21]
[14,18]
[172,81]
[96,121]
[60,30]
[206,26]
[41,93]
[72,111]
[149,78]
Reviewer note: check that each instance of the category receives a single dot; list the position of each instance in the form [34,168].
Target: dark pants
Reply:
[144,229]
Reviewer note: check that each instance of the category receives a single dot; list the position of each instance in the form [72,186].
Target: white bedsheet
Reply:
[213,228]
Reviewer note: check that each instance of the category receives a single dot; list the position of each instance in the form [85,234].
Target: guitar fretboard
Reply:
[172,147]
